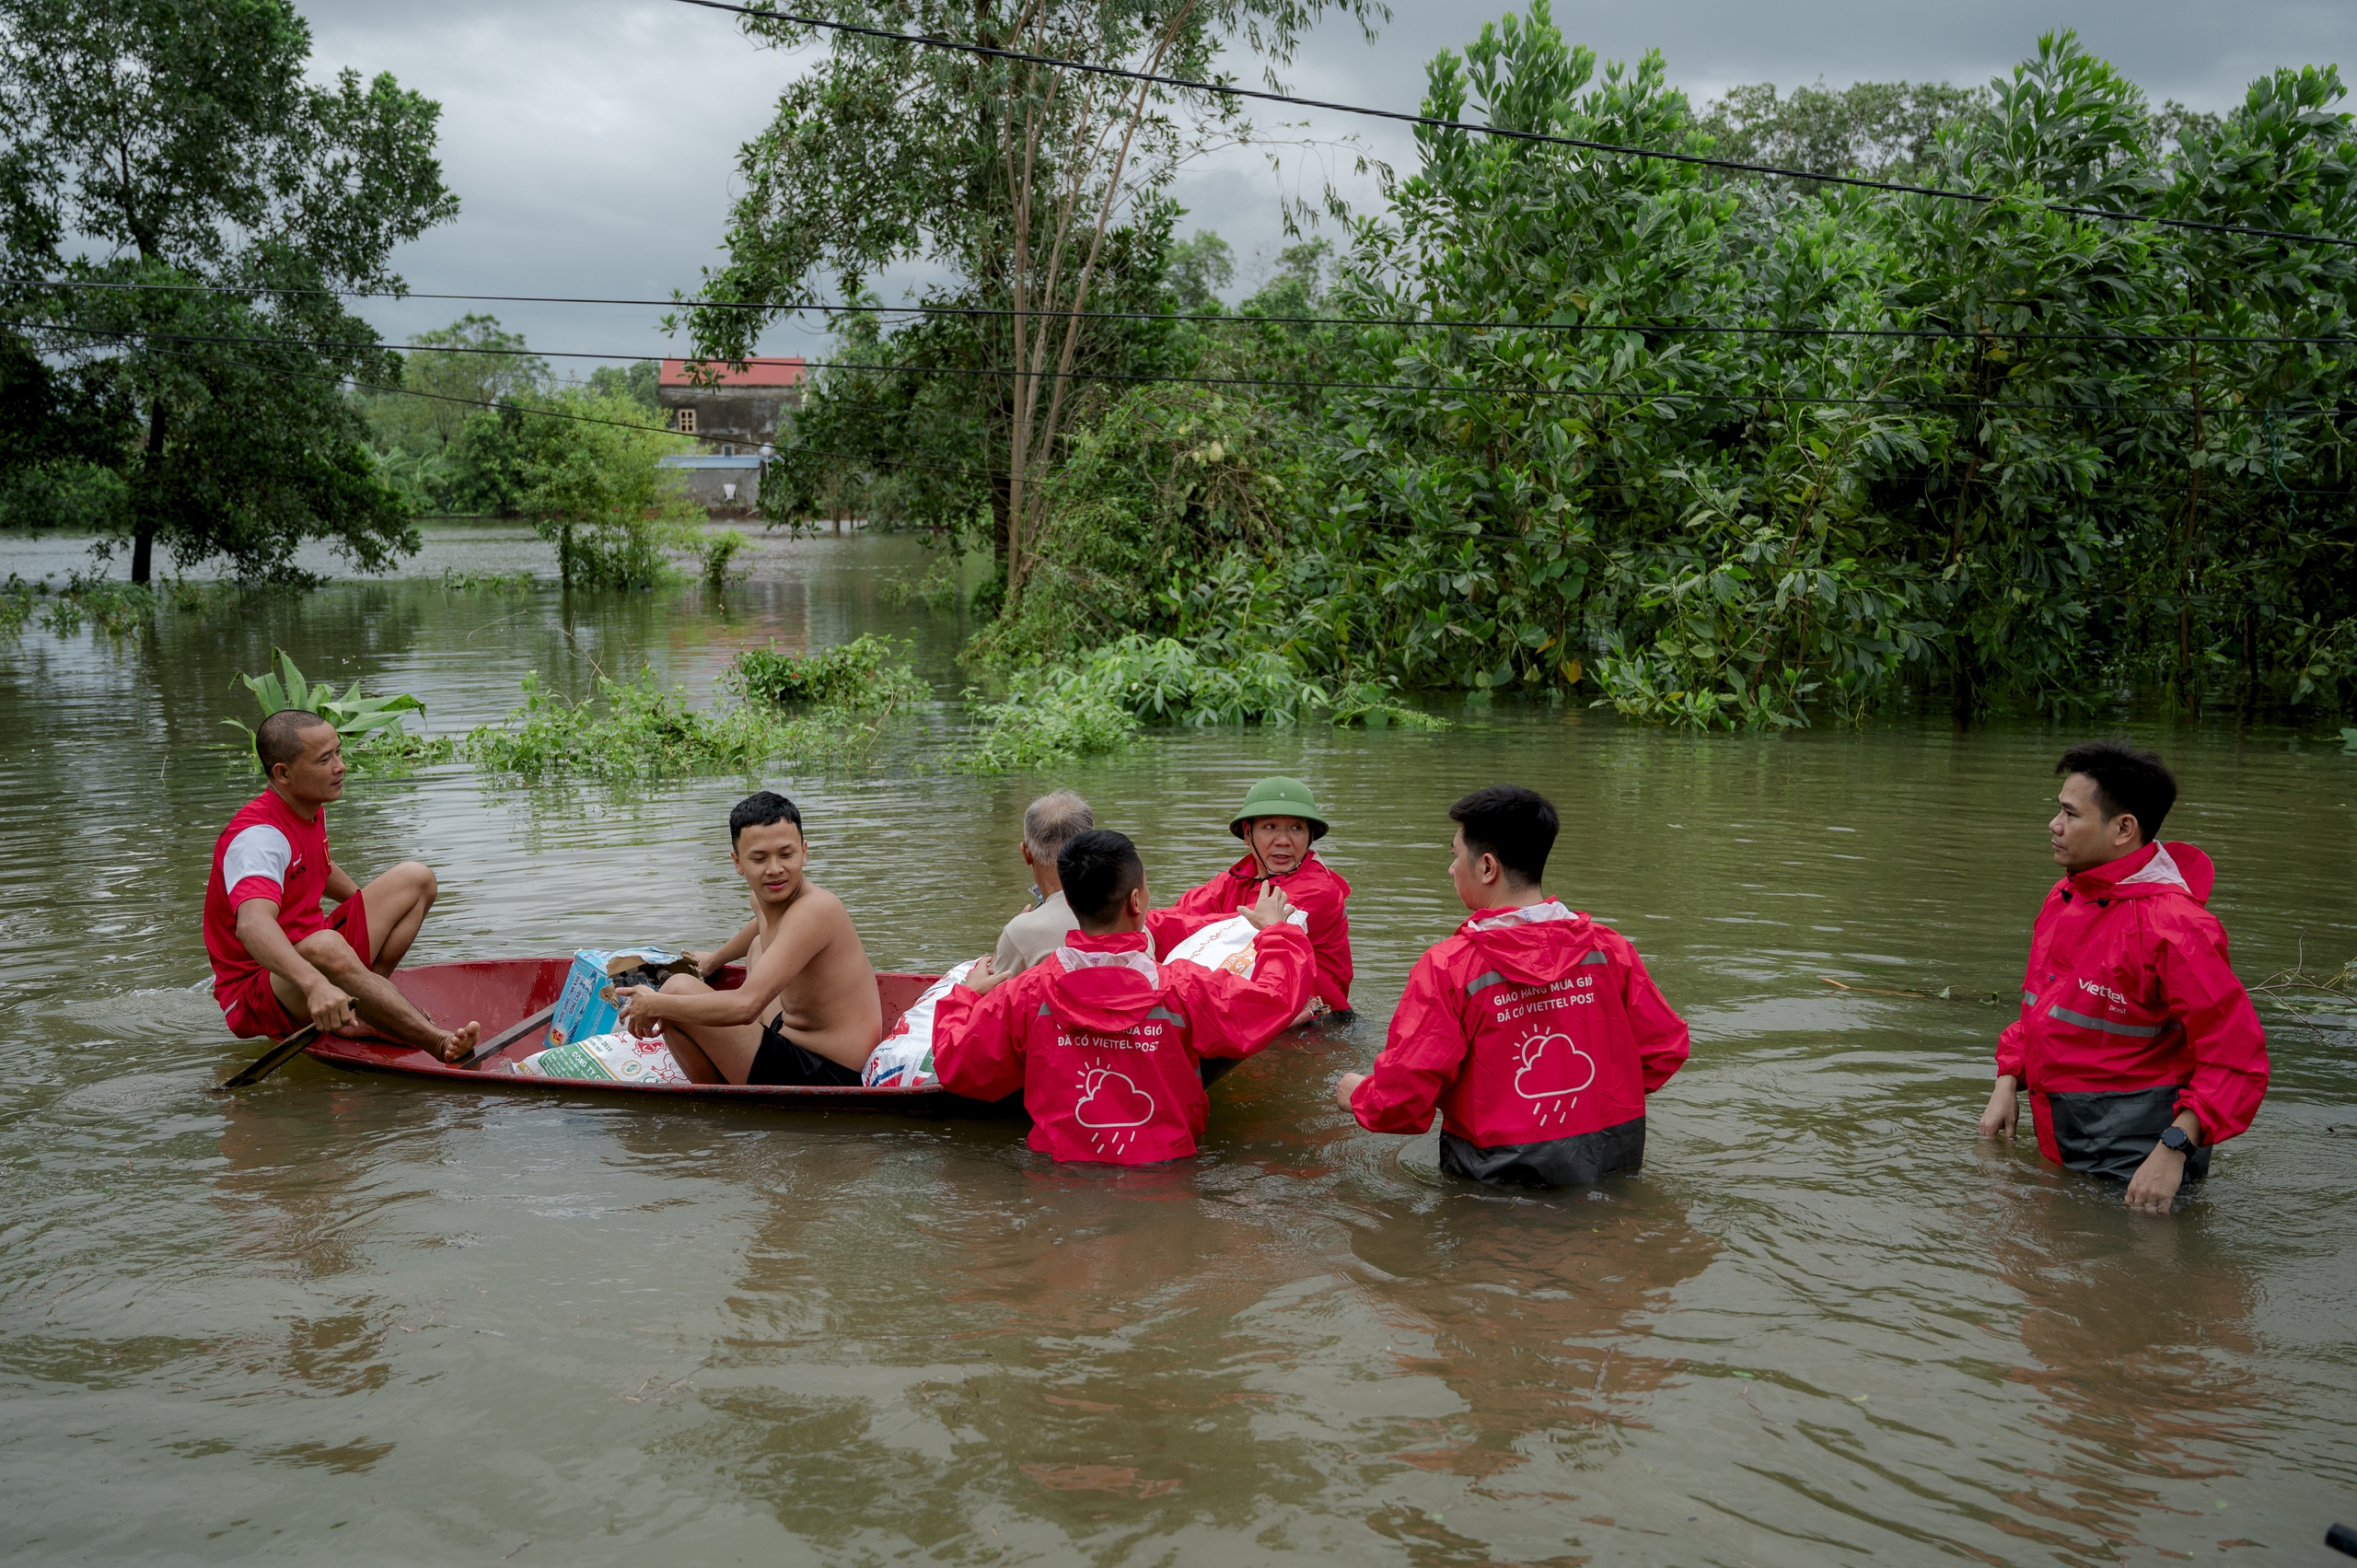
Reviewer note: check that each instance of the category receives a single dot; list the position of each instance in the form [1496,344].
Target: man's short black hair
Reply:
[1518,825]
[279,737]
[1099,869]
[759,810]
[2128,780]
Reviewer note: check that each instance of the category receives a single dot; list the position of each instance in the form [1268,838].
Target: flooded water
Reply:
[360,1320]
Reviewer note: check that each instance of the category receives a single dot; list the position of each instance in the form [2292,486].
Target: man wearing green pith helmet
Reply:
[1278,822]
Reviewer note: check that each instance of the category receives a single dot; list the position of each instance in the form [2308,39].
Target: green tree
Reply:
[472,361]
[1196,270]
[1037,190]
[594,485]
[177,145]
[640,381]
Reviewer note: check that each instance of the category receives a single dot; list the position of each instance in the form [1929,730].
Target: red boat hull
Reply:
[501,993]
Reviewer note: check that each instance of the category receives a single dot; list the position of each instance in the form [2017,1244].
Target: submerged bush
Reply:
[649,731]
[1058,711]
[865,675]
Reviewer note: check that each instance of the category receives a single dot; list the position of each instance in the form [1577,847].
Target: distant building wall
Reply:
[730,412]
[707,481]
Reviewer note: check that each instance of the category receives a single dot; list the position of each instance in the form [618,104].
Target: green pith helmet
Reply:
[1278,797]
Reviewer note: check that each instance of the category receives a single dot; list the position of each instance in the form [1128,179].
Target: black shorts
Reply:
[780,1061]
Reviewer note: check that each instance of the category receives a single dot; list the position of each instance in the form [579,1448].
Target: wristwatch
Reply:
[2173,1137]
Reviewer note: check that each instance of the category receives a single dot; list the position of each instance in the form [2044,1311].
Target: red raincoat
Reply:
[1539,1034]
[1105,1043]
[2130,1014]
[1314,889]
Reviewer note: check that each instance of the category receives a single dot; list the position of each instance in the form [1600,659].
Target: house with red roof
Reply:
[735,414]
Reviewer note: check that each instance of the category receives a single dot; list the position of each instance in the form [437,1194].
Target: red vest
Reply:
[1526,1025]
[1106,1044]
[2128,988]
[1313,887]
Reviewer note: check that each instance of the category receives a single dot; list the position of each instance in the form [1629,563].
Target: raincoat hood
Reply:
[1104,984]
[2156,869]
[1531,945]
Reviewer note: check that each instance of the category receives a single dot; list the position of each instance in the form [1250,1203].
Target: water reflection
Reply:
[1822,1326]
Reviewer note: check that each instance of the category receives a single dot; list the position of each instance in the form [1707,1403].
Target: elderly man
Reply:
[2140,1049]
[1049,823]
[278,962]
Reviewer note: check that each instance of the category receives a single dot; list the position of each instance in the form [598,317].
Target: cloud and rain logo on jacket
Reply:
[1552,1068]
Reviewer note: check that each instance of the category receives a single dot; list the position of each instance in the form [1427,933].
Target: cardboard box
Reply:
[586,1006]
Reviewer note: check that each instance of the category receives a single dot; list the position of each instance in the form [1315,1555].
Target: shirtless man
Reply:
[807,1013]
[279,963]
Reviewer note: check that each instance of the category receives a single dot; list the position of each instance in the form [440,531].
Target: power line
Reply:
[1221,318]
[1660,395]
[1227,89]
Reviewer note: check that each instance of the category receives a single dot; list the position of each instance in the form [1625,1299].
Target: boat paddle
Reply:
[271,1061]
[505,1038]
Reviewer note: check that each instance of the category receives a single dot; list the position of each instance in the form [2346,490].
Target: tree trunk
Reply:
[143,523]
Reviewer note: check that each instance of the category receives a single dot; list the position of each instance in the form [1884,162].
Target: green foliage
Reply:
[646,731]
[1034,192]
[191,144]
[375,736]
[1040,728]
[1060,712]
[2063,500]
[1882,130]
[1195,270]
[640,381]
[719,547]
[472,361]
[593,483]
[867,674]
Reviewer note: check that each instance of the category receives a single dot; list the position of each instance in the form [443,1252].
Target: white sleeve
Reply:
[261,851]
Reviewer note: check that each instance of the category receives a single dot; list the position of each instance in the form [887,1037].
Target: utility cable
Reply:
[1221,318]
[1658,395]
[1230,89]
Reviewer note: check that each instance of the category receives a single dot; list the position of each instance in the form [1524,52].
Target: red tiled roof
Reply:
[757,373]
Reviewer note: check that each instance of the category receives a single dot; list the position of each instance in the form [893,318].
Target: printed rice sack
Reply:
[1225,945]
[609,1059]
[903,1059]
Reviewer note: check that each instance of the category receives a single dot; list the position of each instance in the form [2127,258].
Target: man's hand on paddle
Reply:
[1269,910]
[330,1006]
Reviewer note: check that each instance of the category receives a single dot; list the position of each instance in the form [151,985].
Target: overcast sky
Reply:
[592,146]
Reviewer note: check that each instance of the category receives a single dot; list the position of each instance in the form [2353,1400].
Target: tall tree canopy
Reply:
[166,144]
[1038,189]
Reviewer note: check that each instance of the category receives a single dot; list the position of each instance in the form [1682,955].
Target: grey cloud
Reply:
[594,149]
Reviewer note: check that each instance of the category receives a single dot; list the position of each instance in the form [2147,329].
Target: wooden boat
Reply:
[502,993]
[512,996]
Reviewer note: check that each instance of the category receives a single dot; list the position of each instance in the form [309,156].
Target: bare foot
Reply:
[462,1042]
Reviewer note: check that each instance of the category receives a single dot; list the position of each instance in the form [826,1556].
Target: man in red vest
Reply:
[1278,822]
[278,961]
[2140,1049]
[1535,1030]
[1104,1041]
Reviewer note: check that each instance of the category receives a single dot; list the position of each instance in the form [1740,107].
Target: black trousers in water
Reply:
[2111,1133]
[1576,1161]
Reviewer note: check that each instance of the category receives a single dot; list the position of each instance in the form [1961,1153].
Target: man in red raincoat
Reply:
[1278,822]
[2140,1049]
[1536,1031]
[1105,1042]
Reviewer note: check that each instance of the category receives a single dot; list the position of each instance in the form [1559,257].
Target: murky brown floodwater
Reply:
[361,1320]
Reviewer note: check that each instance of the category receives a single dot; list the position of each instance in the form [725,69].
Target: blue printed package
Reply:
[585,1006]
